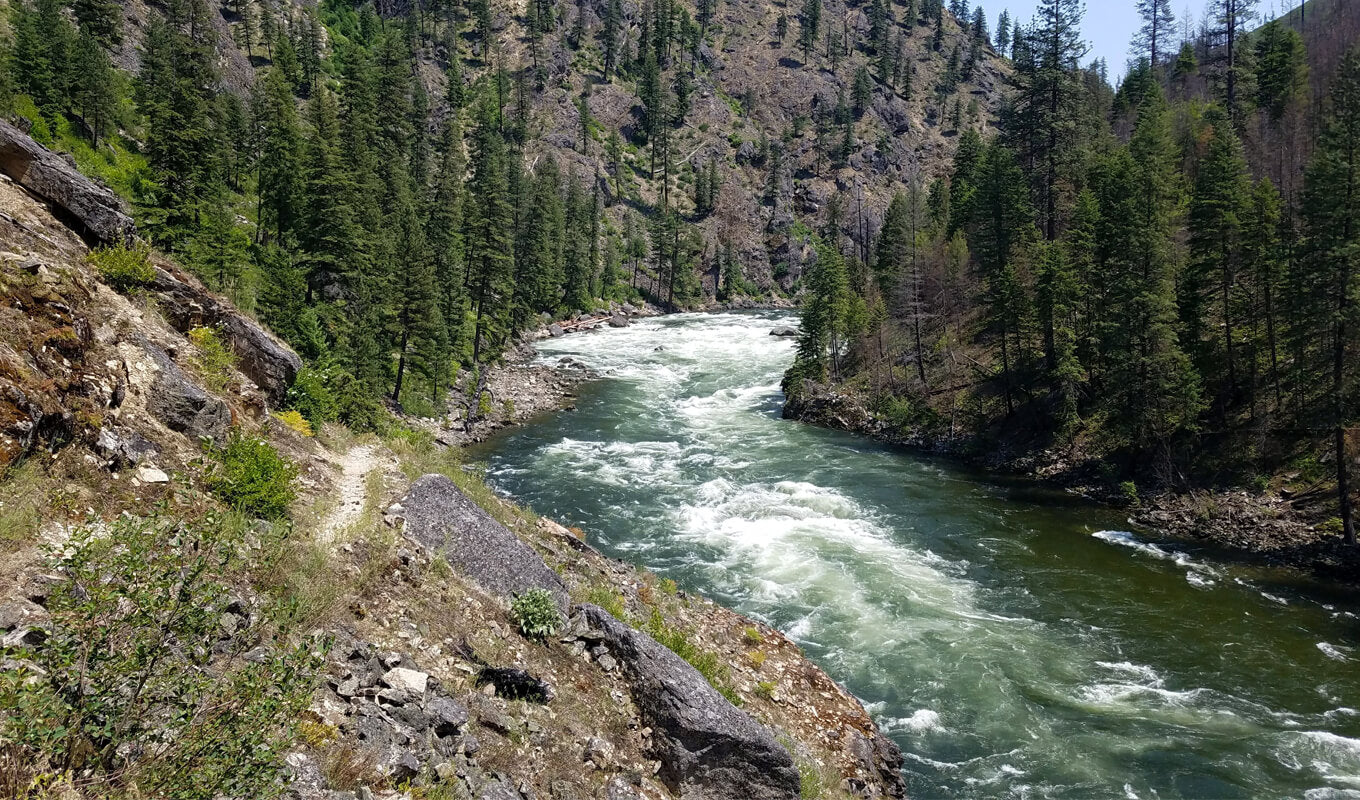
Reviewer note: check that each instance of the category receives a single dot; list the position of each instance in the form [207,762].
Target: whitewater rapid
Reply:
[1015,644]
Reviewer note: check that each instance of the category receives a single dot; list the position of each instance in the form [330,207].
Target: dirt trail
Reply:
[350,489]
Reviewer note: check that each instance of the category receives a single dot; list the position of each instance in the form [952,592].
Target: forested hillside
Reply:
[1152,284]
[400,189]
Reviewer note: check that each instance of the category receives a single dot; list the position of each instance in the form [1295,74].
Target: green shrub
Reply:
[311,396]
[608,599]
[765,689]
[132,692]
[122,267]
[213,359]
[1128,491]
[535,612]
[250,475]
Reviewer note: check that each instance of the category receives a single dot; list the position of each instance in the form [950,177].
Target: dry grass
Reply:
[347,766]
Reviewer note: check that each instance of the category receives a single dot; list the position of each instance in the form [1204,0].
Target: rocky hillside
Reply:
[363,617]
[751,90]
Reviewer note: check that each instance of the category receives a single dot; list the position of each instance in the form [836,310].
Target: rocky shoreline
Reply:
[1254,527]
[520,390]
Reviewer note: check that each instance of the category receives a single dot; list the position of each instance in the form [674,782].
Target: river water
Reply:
[1014,642]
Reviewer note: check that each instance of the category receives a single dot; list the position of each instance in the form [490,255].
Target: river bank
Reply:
[1269,527]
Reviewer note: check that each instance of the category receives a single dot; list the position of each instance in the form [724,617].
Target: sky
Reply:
[1110,24]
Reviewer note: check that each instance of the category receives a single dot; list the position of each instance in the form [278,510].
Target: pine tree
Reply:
[94,97]
[488,227]
[1231,21]
[809,21]
[444,233]
[824,318]
[1044,114]
[861,90]
[1003,33]
[1158,26]
[101,20]
[218,247]
[174,95]
[1002,223]
[609,36]
[280,153]
[1217,208]
[1151,383]
[1281,68]
[1261,253]
[422,340]
[1331,219]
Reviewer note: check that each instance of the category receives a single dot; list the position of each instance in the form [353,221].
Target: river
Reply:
[1013,641]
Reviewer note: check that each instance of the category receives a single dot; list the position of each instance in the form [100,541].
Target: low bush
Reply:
[212,359]
[295,422]
[122,267]
[249,475]
[535,613]
[610,600]
[137,689]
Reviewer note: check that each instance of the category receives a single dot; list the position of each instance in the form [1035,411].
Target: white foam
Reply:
[1332,651]
[923,719]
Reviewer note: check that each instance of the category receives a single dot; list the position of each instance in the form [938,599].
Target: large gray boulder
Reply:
[442,519]
[97,212]
[270,363]
[182,405]
[707,747]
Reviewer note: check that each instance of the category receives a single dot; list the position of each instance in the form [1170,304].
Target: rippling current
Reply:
[1015,643]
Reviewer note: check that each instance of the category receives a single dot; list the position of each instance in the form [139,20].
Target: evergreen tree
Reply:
[101,20]
[1217,208]
[821,337]
[1158,26]
[1151,383]
[94,96]
[280,154]
[1003,33]
[488,227]
[809,21]
[1331,219]
[1044,116]
[1281,68]
[1002,223]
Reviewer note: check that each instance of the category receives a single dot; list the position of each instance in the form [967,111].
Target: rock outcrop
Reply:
[708,748]
[442,519]
[97,212]
[182,405]
[270,363]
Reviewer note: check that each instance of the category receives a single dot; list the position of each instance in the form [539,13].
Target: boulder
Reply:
[447,715]
[123,447]
[97,212]
[270,363]
[618,321]
[183,405]
[407,682]
[784,332]
[707,747]
[442,519]
[555,330]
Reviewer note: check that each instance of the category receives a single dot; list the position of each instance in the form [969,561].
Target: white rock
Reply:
[151,474]
[406,680]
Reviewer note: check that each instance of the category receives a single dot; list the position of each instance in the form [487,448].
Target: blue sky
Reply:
[1110,24]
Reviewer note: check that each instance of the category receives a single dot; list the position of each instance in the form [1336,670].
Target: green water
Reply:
[1014,642]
